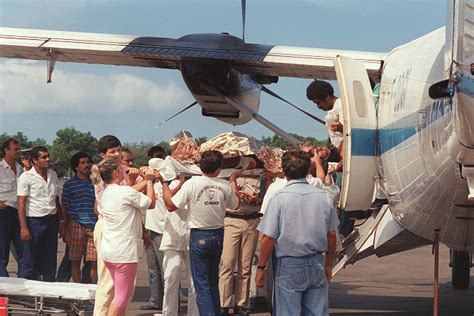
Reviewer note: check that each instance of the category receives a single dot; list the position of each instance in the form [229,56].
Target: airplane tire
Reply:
[460,269]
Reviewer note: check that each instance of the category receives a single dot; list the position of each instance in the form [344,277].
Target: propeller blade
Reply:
[243,18]
[273,94]
[185,109]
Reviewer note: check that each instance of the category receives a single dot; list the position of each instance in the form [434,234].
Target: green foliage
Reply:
[68,142]
[140,151]
[278,141]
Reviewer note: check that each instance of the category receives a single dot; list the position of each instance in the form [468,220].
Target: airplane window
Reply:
[360,99]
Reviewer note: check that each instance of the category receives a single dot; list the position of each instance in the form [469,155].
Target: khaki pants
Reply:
[104,293]
[240,242]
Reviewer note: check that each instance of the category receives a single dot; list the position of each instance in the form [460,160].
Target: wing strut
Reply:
[183,110]
[273,94]
[51,62]
[244,108]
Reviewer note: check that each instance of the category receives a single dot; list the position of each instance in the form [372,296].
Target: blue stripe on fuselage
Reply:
[364,141]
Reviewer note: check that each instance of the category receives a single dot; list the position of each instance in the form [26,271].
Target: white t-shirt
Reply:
[279,183]
[41,194]
[207,199]
[155,218]
[338,108]
[122,233]
[176,232]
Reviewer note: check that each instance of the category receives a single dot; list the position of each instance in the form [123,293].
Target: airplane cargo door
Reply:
[360,123]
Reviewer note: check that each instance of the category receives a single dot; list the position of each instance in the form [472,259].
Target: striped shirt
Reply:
[79,197]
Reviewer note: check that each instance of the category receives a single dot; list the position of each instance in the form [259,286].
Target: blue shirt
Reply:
[299,217]
[79,196]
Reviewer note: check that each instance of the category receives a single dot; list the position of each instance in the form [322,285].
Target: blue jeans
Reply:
[301,286]
[205,249]
[9,232]
[40,252]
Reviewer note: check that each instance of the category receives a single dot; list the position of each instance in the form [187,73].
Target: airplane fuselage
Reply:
[419,164]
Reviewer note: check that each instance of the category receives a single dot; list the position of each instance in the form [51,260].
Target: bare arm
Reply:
[330,254]
[24,231]
[319,167]
[266,248]
[167,198]
[150,190]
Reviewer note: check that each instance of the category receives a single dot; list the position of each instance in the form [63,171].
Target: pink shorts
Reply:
[123,275]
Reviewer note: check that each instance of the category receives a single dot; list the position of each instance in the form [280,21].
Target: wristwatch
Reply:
[263,267]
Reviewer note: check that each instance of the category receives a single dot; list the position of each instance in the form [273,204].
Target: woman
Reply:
[122,243]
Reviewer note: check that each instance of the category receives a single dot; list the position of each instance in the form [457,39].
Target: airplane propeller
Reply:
[183,110]
[243,19]
[273,94]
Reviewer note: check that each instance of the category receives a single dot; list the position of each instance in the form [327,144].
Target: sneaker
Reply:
[224,311]
[150,308]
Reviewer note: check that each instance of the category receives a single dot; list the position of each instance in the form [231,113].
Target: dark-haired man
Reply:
[301,224]
[10,170]
[207,198]
[78,200]
[39,212]
[154,224]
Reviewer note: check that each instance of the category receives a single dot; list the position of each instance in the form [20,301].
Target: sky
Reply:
[130,102]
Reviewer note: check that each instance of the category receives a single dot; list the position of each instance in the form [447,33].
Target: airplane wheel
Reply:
[461,261]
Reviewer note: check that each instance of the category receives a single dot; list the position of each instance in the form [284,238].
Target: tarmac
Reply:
[399,284]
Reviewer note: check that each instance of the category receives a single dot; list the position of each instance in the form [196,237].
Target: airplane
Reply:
[419,145]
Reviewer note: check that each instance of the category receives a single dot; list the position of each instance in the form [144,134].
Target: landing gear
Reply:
[461,264]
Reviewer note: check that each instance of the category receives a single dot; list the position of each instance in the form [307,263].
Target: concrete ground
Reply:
[400,284]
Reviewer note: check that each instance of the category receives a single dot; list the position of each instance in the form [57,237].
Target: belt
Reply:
[245,216]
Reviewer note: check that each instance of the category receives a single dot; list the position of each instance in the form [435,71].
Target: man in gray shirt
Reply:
[301,224]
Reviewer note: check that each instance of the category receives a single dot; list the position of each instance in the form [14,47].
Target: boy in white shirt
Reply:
[207,198]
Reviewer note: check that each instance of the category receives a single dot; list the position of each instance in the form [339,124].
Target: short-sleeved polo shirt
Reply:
[79,197]
[41,194]
[298,217]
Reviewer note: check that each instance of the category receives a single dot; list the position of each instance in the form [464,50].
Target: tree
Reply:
[278,141]
[68,142]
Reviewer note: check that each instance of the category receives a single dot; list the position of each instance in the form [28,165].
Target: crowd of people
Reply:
[111,212]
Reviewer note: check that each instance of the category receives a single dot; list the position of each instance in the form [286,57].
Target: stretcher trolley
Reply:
[27,297]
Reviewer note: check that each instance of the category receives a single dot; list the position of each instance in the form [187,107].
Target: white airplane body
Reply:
[420,148]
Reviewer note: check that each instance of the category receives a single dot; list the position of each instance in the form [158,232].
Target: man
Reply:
[39,211]
[207,198]
[300,223]
[78,200]
[240,243]
[154,223]
[10,170]
[322,94]
[127,157]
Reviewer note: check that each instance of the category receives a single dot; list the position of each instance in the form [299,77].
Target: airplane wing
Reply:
[157,52]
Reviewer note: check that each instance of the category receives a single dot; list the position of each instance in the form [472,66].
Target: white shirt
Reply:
[122,236]
[155,218]
[8,183]
[338,108]
[41,194]
[207,199]
[176,232]
[280,183]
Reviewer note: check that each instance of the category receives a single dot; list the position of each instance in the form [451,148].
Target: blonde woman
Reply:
[122,243]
